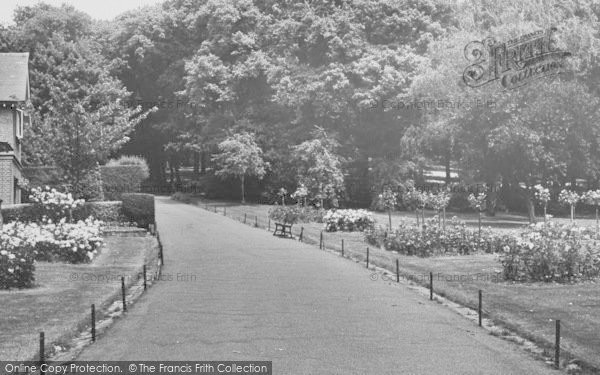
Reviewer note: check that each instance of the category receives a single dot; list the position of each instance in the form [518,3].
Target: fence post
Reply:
[123,293]
[42,344]
[479,307]
[145,285]
[557,345]
[431,286]
[342,247]
[397,271]
[321,241]
[93,322]
[244,218]
[301,234]
[367,257]
[160,252]
[255,221]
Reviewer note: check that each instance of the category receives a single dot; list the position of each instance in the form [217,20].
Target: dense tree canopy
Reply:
[364,71]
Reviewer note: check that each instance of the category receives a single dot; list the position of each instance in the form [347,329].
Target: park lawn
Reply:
[528,308]
[60,303]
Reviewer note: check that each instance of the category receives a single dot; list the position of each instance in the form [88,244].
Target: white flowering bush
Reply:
[54,204]
[429,239]
[69,242]
[552,252]
[348,220]
[300,194]
[17,241]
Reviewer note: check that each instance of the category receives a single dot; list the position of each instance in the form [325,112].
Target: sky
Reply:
[99,9]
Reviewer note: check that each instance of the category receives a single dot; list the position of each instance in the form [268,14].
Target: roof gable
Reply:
[14,77]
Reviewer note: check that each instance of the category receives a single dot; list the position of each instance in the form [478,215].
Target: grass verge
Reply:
[60,303]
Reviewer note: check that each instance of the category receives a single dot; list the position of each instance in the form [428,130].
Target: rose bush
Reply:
[552,252]
[69,242]
[348,220]
[53,204]
[17,241]
[429,239]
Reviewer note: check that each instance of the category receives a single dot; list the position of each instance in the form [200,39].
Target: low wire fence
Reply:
[553,334]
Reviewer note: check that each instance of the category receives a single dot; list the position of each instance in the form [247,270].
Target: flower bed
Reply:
[66,242]
[552,252]
[348,220]
[51,238]
[431,239]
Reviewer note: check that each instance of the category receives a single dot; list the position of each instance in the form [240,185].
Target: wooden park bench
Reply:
[283,230]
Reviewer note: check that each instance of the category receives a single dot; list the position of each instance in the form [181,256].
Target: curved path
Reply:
[242,294]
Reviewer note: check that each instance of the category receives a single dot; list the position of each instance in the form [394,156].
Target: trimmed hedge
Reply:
[139,207]
[111,211]
[119,179]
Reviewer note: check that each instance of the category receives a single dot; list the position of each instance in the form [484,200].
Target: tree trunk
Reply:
[572,212]
[196,164]
[546,208]
[243,190]
[491,199]
[203,161]
[530,209]
[597,224]
[447,167]
[417,214]
[444,220]
[171,172]
[390,218]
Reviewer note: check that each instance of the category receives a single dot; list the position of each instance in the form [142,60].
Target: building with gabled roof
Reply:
[14,95]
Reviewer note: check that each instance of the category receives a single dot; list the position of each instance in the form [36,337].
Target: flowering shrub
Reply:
[296,214]
[552,252]
[54,204]
[16,255]
[300,194]
[430,239]
[285,214]
[67,242]
[348,220]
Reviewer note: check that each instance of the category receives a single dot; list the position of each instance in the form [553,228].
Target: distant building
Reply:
[14,94]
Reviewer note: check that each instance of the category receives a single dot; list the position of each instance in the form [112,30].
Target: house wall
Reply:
[6,179]
[9,169]
[7,126]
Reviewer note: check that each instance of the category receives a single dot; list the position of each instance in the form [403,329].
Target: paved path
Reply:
[257,297]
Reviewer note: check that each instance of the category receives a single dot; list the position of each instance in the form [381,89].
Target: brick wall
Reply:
[6,179]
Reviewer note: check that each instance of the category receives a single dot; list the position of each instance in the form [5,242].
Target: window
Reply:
[19,128]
